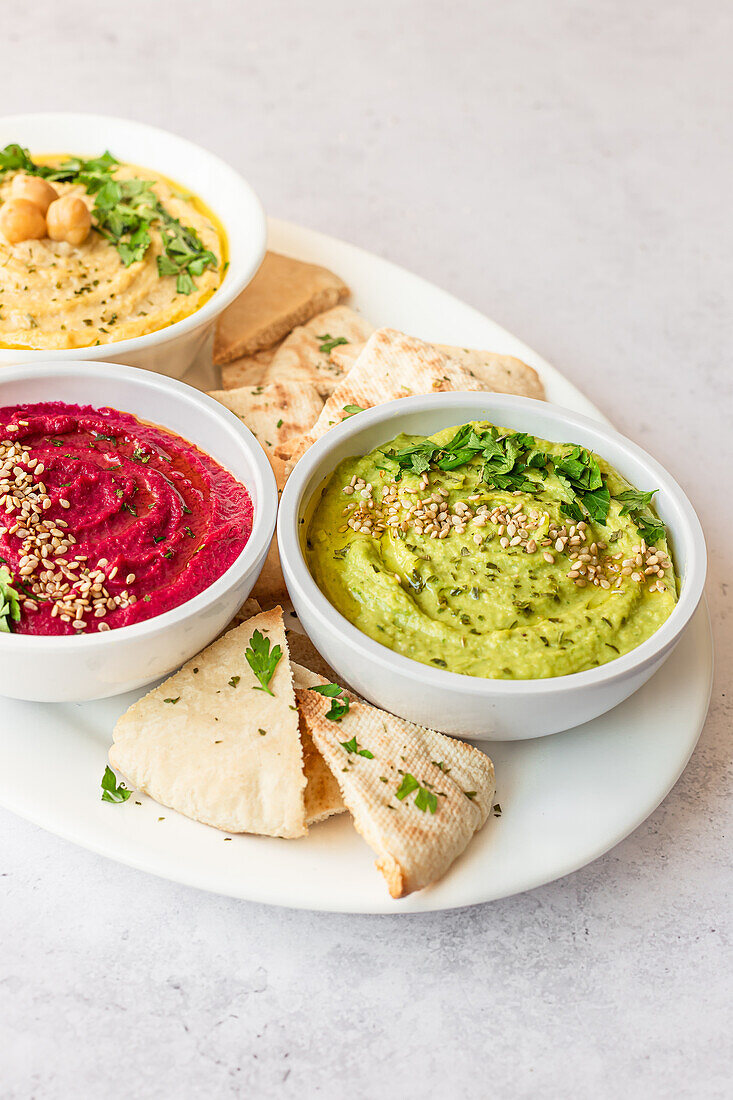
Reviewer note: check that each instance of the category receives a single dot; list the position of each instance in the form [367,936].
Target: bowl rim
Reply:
[263,523]
[642,656]
[237,276]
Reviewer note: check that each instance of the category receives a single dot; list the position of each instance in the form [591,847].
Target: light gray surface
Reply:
[566,168]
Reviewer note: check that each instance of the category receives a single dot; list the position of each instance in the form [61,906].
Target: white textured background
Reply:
[565,167]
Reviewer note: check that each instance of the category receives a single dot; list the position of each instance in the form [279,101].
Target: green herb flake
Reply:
[328,343]
[339,700]
[111,792]
[352,746]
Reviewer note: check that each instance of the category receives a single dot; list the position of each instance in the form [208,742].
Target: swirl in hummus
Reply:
[106,521]
[492,553]
[131,252]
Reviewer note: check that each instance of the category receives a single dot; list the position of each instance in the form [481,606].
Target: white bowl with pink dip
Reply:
[55,668]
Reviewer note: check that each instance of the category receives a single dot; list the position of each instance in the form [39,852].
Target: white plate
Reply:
[566,799]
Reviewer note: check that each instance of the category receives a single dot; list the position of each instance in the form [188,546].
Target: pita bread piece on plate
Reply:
[416,796]
[305,355]
[500,373]
[273,413]
[322,794]
[284,293]
[391,365]
[247,371]
[212,742]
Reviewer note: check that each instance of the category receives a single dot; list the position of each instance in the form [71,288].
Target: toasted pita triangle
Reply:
[284,293]
[274,411]
[391,365]
[225,753]
[415,847]
[300,357]
[499,373]
[322,795]
[247,371]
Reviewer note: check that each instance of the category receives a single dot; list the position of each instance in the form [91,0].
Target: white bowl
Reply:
[465,705]
[170,350]
[93,666]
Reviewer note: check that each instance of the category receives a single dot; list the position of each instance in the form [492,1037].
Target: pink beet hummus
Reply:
[106,520]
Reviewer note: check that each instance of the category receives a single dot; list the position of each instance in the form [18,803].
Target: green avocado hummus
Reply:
[491,553]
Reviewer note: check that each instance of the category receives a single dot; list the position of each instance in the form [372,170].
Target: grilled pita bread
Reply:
[305,355]
[322,795]
[391,365]
[415,846]
[273,412]
[284,293]
[213,746]
[247,371]
[499,373]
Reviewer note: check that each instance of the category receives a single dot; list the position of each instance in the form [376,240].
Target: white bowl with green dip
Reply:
[488,565]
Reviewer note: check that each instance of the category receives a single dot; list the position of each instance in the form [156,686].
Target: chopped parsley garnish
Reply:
[352,410]
[9,602]
[110,791]
[328,342]
[425,800]
[172,700]
[352,746]
[636,504]
[339,700]
[234,681]
[262,658]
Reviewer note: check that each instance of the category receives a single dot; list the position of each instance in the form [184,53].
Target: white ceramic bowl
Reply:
[465,705]
[171,350]
[94,666]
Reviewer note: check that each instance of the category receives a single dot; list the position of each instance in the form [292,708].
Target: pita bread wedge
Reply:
[417,797]
[305,356]
[247,371]
[345,355]
[499,373]
[275,411]
[322,795]
[391,365]
[210,743]
[284,293]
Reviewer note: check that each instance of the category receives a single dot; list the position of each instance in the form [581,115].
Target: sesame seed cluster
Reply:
[532,531]
[48,569]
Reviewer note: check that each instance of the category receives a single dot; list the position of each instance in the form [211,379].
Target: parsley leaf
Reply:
[635,501]
[328,342]
[352,746]
[262,658]
[636,504]
[425,800]
[351,410]
[339,700]
[9,602]
[110,791]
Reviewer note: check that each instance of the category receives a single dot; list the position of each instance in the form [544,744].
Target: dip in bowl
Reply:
[173,236]
[131,530]
[506,604]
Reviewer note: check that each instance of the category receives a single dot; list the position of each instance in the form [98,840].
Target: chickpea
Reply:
[21,220]
[69,220]
[35,190]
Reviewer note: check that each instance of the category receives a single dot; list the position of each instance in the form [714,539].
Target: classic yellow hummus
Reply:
[57,295]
